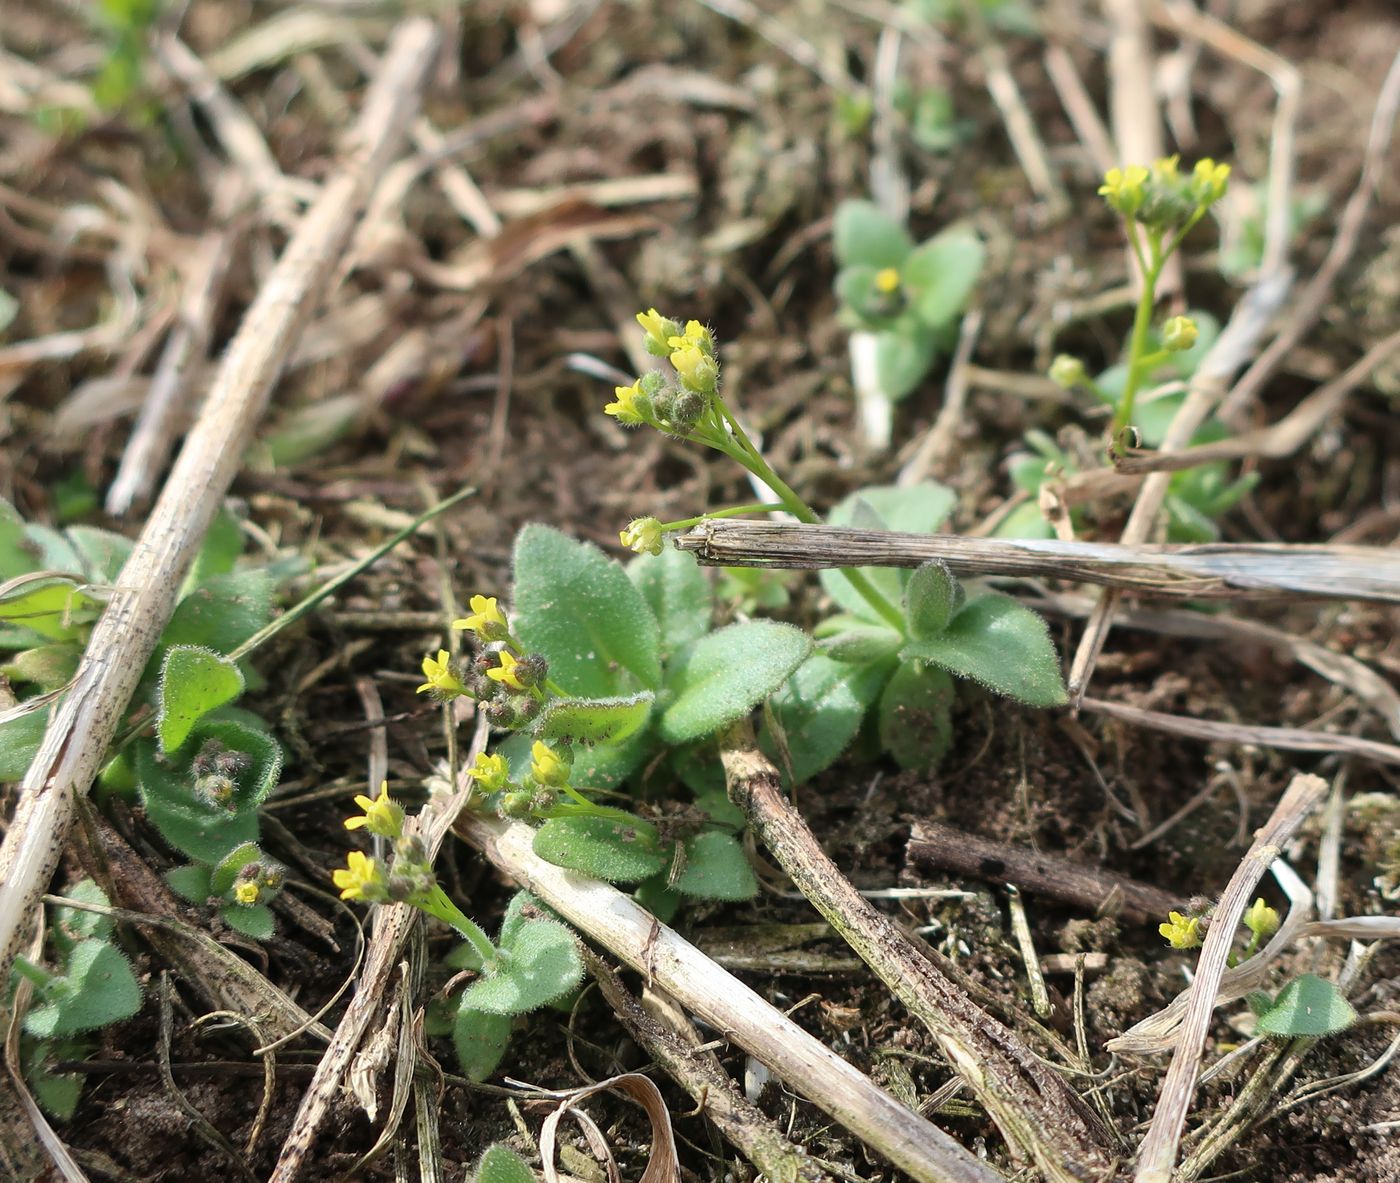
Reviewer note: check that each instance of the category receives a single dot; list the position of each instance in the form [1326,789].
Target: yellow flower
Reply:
[627,410]
[545,765]
[442,682]
[1165,171]
[505,672]
[887,280]
[698,370]
[361,879]
[487,621]
[1179,333]
[1261,920]
[246,894]
[643,535]
[491,773]
[696,336]
[1181,932]
[1122,188]
[659,329]
[1209,181]
[382,815]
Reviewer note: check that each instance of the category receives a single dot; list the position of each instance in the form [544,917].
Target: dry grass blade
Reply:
[663,1166]
[1159,1147]
[1212,571]
[633,935]
[1287,739]
[76,740]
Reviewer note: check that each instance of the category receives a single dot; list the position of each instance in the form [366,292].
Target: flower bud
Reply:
[515,804]
[1067,372]
[1179,333]
[532,670]
[643,535]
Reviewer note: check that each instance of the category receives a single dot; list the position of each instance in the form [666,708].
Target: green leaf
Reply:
[901,361]
[932,597]
[50,667]
[716,869]
[480,1039]
[915,509]
[720,678]
[819,710]
[676,590]
[222,612]
[190,882]
[99,988]
[1308,1006]
[199,828]
[500,1164]
[193,682]
[1001,644]
[51,605]
[577,607]
[541,964]
[596,720]
[915,716]
[862,233]
[942,272]
[605,848]
[58,1093]
[71,925]
[862,643]
[223,876]
[252,920]
[222,545]
[19,742]
[17,552]
[102,553]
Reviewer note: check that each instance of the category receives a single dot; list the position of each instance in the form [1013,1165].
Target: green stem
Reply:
[41,978]
[752,459]
[436,903]
[733,512]
[1142,321]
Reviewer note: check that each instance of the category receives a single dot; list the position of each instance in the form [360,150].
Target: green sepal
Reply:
[718,679]
[596,720]
[1001,644]
[193,682]
[602,847]
[578,607]
[932,597]
[915,720]
[225,874]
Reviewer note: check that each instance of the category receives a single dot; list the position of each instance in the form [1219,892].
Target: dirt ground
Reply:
[690,156]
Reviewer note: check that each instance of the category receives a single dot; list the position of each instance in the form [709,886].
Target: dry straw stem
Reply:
[76,741]
[1211,571]
[1159,1147]
[1033,1106]
[634,936]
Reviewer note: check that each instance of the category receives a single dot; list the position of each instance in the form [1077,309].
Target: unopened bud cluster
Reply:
[1160,196]
[671,404]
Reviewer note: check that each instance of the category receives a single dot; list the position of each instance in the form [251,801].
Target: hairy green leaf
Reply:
[862,233]
[932,597]
[500,1164]
[19,741]
[193,682]
[53,606]
[480,1038]
[818,712]
[998,642]
[577,607]
[861,644]
[540,964]
[98,988]
[676,589]
[612,850]
[942,272]
[252,920]
[718,679]
[596,720]
[223,612]
[715,868]
[901,361]
[915,716]
[190,882]
[1308,1006]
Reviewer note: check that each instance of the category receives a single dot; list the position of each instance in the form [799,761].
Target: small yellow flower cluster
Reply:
[381,815]
[1161,196]
[487,621]
[247,893]
[1181,932]
[643,535]
[362,878]
[491,773]
[650,400]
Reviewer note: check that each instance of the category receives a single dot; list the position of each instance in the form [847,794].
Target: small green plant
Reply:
[1158,206]
[902,300]
[532,963]
[199,765]
[89,985]
[500,1164]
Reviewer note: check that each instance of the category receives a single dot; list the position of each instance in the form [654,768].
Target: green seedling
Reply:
[500,1164]
[89,985]
[1308,1007]
[901,300]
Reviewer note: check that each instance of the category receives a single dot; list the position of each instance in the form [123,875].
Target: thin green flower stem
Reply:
[733,512]
[41,978]
[752,459]
[1142,321]
[436,903]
